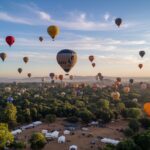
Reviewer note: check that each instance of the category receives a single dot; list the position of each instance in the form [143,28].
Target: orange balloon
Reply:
[61,77]
[147,108]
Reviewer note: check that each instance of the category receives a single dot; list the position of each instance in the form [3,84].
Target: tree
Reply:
[5,136]
[104,104]
[37,141]
[27,115]
[10,113]
[128,132]
[145,123]
[134,113]
[143,140]
[86,116]
[127,145]
[106,116]
[134,125]
[50,118]
[34,113]
[18,145]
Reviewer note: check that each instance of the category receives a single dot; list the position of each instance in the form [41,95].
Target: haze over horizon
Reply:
[86,27]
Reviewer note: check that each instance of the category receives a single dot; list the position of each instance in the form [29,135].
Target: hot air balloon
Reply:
[10,99]
[53,31]
[118,79]
[115,95]
[52,75]
[126,89]
[131,81]
[19,70]
[143,86]
[118,21]
[10,40]
[91,58]
[61,77]
[93,64]
[147,108]
[142,53]
[140,66]
[71,77]
[41,38]
[29,75]
[25,59]
[3,56]
[99,74]
[66,59]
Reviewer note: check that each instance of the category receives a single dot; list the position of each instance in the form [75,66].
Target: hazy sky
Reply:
[87,26]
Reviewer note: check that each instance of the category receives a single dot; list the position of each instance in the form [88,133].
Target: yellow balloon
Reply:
[115,95]
[53,31]
[126,89]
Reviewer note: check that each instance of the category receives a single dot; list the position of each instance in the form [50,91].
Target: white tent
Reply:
[53,135]
[15,132]
[73,147]
[44,131]
[85,129]
[110,141]
[36,123]
[66,132]
[27,126]
[61,139]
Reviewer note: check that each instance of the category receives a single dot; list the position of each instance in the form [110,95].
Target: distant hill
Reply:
[89,79]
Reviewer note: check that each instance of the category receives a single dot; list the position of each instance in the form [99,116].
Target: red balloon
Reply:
[10,40]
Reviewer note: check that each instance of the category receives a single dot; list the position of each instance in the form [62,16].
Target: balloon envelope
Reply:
[140,66]
[118,21]
[142,53]
[41,38]
[147,108]
[10,40]
[19,70]
[25,59]
[115,95]
[52,75]
[91,58]
[61,77]
[3,56]
[66,59]
[53,31]
[29,75]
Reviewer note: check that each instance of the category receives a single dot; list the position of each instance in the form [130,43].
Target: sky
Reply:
[86,26]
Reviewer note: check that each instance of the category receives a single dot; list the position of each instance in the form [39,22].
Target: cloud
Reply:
[44,16]
[106,16]
[74,21]
[7,17]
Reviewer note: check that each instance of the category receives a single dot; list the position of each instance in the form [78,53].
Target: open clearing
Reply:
[82,141]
